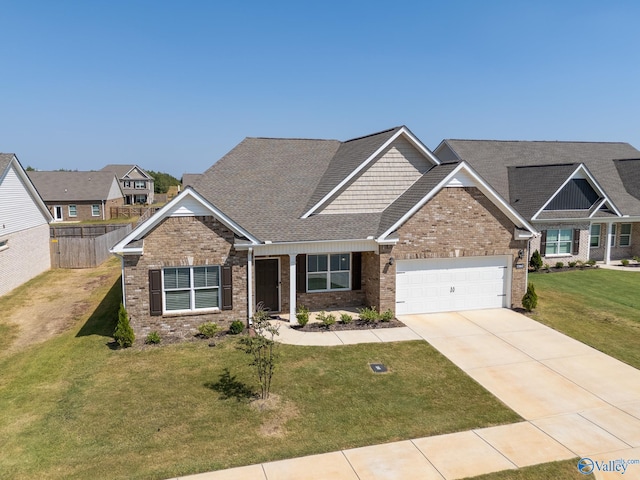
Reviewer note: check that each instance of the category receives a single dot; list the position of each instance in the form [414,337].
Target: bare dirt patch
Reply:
[54,303]
[277,413]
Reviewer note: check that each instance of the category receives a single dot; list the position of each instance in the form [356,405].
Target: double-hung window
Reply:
[126,184]
[140,184]
[191,288]
[73,211]
[328,272]
[95,210]
[559,241]
[595,235]
[625,235]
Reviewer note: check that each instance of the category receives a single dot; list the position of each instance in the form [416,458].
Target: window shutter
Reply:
[155,292]
[543,243]
[576,241]
[227,288]
[301,273]
[356,271]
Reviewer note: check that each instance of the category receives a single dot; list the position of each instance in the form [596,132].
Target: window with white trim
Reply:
[73,211]
[95,210]
[559,241]
[191,288]
[595,235]
[612,242]
[625,235]
[4,244]
[328,272]
[126,184]
[139,184]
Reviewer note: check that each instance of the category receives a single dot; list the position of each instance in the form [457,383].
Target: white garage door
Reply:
[450,284]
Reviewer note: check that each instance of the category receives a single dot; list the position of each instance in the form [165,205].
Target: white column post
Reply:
[607,247]
[250,284]
[292,289]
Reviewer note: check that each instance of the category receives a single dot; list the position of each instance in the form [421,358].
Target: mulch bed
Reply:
[553,269]
[354,325]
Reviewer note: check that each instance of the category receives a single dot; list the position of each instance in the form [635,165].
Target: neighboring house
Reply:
[137,185]
[78,196]
[583,197]
[374,221]
[24,227]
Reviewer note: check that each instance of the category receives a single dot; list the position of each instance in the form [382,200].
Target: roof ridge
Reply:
[531,141]
[373,134]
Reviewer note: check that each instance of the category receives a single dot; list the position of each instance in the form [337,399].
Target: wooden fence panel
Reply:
[84,252]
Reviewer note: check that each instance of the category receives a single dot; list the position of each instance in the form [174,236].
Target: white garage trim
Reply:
[452,284]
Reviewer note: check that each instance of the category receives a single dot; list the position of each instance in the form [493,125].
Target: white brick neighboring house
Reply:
[24,227]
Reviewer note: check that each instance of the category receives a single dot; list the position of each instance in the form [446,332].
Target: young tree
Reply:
[124,333]
[530,299]
[262,349]
[536,261]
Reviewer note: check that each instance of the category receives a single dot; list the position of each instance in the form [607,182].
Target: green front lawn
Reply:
[596,306]
[72,407]
[565,470]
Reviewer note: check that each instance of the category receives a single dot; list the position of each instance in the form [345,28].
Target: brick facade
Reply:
[84,210]
[617,252]
[457,222]
[183,241]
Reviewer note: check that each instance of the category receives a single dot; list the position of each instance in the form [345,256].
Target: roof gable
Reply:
[187,203]
[492,158]
[127,171]
[353,157]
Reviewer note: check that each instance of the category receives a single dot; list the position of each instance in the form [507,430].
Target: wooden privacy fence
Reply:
[84,252]
[130,211]
[82,231]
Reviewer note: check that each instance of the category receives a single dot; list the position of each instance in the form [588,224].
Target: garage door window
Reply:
[328,272]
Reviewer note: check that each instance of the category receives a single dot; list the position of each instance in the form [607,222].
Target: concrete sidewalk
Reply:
[578,402]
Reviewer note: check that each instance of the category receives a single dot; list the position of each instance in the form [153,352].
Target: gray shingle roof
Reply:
[490,158]
[5,160]
[121,170]
[190,178]
[73,186]
[267,184]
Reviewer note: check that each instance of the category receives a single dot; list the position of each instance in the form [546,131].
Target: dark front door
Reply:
[267,283]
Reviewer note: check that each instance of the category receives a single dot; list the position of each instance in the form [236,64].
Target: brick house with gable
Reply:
[377,220]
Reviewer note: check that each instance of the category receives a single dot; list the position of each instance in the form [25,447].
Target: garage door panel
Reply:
[438,285]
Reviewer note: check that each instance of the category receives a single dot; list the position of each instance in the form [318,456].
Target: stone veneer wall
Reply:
[176,242]
[457,222]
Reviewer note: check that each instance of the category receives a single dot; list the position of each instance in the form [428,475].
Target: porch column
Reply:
[292,289]
[250,285]
[607,247]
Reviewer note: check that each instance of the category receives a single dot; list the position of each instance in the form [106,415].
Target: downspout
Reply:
[121,257]
[103,212]
[250,284]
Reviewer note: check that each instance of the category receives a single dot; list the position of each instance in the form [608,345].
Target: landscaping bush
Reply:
[236,327]
[559,264]
[208,329]
[368,314]
[387,316]
[153,338]
[546,267]
[536,261]
[573,264]
[624,262]
[302,315]
[123,334]
[591,262]
[636,258]
[346,318]
[530,299]
[328,320]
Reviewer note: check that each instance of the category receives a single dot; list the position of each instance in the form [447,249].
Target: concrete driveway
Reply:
[584,399]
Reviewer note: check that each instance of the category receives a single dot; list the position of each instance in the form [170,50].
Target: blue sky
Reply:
[174,85]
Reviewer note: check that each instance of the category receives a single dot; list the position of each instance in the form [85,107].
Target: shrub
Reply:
[559,264]
[636,258]
[302,315]
[328,320]
[346,318]
[546,267]
[236,327]
[124,333]
[368,314]
[208,329]
[573,264]
[387,316]
[153,338]
[530,299]
[624,262]
[591,262]
[536,261]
